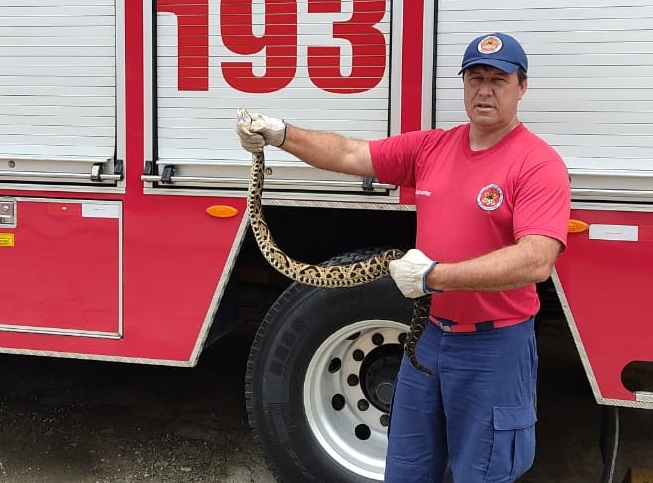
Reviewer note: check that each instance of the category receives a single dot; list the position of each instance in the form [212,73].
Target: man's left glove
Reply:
[256,131]
[410,271]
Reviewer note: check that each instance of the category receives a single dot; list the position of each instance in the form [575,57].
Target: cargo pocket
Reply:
[513,447]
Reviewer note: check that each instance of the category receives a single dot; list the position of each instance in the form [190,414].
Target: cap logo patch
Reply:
[490,197]
[490,45]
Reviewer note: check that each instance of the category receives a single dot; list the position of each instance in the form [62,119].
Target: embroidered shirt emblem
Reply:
[490,197]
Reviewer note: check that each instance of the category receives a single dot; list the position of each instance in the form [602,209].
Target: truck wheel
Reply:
[320,379]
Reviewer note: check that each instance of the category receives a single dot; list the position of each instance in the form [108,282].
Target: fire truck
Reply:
[123,227]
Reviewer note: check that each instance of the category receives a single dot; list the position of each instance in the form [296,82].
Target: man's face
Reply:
[491,96]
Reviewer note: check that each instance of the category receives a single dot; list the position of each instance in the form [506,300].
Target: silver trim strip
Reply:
[84,189]
[339,205]
[93,357]
[612,195]
[53,175]
[607,206]
[612,173]
[30,329]
[626,404]
[644,397]
[312,185]
[310,198]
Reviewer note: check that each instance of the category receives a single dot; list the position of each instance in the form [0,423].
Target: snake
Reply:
[327,276]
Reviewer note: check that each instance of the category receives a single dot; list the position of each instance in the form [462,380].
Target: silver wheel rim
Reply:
[347,390]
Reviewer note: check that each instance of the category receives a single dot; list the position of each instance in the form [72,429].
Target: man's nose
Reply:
[486,87]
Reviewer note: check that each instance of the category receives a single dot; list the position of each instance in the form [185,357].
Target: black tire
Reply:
[320,377]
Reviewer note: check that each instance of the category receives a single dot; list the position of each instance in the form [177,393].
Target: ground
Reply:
[71,421]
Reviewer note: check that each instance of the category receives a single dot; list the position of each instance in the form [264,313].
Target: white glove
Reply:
[256,131]
[409,273]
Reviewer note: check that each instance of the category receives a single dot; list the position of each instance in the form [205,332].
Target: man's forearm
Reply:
[529,261]
[330,151]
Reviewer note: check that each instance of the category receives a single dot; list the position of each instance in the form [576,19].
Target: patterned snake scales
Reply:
[329,276]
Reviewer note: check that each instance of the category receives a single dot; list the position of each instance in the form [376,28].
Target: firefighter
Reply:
[493,204]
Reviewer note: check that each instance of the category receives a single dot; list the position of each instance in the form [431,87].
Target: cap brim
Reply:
[507,67]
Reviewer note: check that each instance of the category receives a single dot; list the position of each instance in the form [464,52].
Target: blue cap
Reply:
[498,50]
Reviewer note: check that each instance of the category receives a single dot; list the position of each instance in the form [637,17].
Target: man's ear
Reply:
[523,87]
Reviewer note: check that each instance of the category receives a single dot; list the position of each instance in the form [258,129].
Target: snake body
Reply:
[345,275]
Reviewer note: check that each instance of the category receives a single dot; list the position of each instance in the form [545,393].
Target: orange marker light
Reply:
[222,211]
[577,226]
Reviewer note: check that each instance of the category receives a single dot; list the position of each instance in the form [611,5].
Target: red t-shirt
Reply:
[473,202]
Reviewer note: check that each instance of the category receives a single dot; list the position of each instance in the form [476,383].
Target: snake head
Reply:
[243,116]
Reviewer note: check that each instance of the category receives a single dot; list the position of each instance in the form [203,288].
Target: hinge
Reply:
[119,168]
[150,168]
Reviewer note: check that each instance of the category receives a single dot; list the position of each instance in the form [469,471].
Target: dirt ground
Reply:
[69,421]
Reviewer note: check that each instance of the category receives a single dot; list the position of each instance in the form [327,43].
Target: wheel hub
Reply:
[378,374]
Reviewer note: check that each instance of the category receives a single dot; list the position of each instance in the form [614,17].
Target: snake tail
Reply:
[420,318]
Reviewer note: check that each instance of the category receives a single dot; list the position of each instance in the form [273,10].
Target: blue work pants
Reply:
[476,412]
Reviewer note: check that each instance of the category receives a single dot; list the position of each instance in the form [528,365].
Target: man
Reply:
[493,204]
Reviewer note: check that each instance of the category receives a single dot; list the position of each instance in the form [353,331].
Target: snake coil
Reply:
[346,275]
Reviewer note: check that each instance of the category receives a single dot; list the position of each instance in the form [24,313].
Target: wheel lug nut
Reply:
[358,355]
[363,405]
[377,339]
[384,420]
[352,380]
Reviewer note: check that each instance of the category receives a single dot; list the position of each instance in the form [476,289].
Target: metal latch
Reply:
[96,172]
[368,183]
[8,213]
[167,174]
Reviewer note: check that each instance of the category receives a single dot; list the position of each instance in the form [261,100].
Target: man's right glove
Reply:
[256,131]
[410,271]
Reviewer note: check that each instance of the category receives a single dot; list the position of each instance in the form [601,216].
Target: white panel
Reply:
[199,126]
[614,232]
[57,81]
[590,73]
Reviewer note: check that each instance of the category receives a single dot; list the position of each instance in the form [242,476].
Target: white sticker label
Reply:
[614,232]
[100,210]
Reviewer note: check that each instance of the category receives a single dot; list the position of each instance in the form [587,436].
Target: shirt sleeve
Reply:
[394,158]
[543,201]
